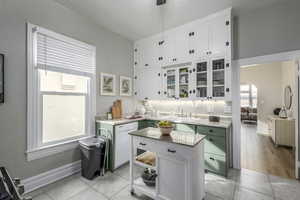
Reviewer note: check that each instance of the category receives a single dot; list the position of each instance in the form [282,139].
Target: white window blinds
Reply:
[55,51]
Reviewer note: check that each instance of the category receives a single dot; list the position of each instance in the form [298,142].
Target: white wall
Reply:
[267,79]
[289,79]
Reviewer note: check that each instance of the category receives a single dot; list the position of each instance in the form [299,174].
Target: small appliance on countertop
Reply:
[213,118]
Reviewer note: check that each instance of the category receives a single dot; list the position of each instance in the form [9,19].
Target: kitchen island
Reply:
[178,163]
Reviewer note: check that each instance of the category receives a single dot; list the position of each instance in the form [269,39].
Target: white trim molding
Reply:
[236,65]
[51,176]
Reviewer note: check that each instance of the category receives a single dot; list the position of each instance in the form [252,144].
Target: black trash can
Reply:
[92,157]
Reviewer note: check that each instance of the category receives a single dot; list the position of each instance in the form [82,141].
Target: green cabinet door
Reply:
[185,128]
[215,145]
[216,131]
[215,163]
[152,123]
[142,124]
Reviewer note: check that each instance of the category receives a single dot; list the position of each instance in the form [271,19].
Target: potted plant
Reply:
[166,127]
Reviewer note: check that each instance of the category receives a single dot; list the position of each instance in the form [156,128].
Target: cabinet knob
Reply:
[165,92]
[211,158]
[143,144]
[194,91]
[158,74]
[210,130]
[158,92]
[146,65]
[190,91]
[210,139]
[171,151]
[194,70]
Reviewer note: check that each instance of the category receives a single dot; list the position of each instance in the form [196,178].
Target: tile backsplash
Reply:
[193,107]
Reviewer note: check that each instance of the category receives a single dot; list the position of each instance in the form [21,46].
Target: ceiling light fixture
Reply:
[161,2]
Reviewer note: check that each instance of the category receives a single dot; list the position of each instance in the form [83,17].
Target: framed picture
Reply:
[1,78]
[125,86]
[108,84]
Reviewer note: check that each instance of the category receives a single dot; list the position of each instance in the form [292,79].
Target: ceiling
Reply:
[135,19]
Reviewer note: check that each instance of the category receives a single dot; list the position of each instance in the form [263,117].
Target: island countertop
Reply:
[176,137]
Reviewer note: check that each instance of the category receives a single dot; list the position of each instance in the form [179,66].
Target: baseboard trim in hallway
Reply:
[51,176]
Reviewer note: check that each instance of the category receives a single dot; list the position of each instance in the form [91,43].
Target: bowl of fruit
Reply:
[166,127]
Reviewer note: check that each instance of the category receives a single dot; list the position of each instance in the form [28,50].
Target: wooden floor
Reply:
[260,154]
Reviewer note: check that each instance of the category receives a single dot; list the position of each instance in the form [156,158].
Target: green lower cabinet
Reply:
[216,131]
[215,163]
[215,145]
[185,128]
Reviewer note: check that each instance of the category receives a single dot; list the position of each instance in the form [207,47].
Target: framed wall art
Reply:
[107,84]
[125,86]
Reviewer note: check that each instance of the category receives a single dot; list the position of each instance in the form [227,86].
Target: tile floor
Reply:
[240,185]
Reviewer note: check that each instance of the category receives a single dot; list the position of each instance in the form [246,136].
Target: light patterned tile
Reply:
[42,197]
[66,188]
[285,189]
[110,185]
[245,194]
[88,194]
[219,186]
[125,195]
[255,181]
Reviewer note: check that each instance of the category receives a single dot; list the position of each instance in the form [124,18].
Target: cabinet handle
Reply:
[146,65]
[194,91]
[211,158]
[143,144]
[227,64]
[135,63]
[146,98]
[171,151]
[165,75]
[190,91]
[158,92]
[135,50]
[165,92]
[158,74]
[194,70]
[227,43]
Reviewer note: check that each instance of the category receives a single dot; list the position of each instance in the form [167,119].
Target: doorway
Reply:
[267,137]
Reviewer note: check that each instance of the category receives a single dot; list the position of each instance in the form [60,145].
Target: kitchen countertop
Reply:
[193,121]
[177,137]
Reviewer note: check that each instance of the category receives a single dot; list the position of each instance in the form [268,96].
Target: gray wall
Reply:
[267,30]
[114,55]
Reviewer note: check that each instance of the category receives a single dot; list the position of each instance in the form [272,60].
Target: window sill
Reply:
[45,151]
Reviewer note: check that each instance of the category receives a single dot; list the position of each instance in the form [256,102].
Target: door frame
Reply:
[236,65]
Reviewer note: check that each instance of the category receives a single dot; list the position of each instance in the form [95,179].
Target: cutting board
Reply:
[117,110]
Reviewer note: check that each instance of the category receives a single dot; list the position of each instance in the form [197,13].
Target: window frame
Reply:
[250,94]
[35,147]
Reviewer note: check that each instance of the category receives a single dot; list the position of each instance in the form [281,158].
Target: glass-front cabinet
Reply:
[171,83]
[177,82]
[202,79]
[218,78]
[210,78]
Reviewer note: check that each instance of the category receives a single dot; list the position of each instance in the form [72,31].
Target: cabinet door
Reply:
[219,34]
[170,80]
[169,49]
[184,82]
[175,172]
[218,76]
[202,79]
[181,45]
[148,83]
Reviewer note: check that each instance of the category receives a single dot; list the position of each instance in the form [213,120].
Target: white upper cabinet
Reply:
[204,45]
[148,83]
[219,34]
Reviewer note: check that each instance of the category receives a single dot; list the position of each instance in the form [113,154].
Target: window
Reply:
[61,94]
[248,95]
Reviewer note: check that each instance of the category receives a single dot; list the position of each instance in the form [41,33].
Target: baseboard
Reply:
[51,176]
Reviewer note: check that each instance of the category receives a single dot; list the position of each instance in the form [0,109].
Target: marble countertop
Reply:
[224,123]
[177,137]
